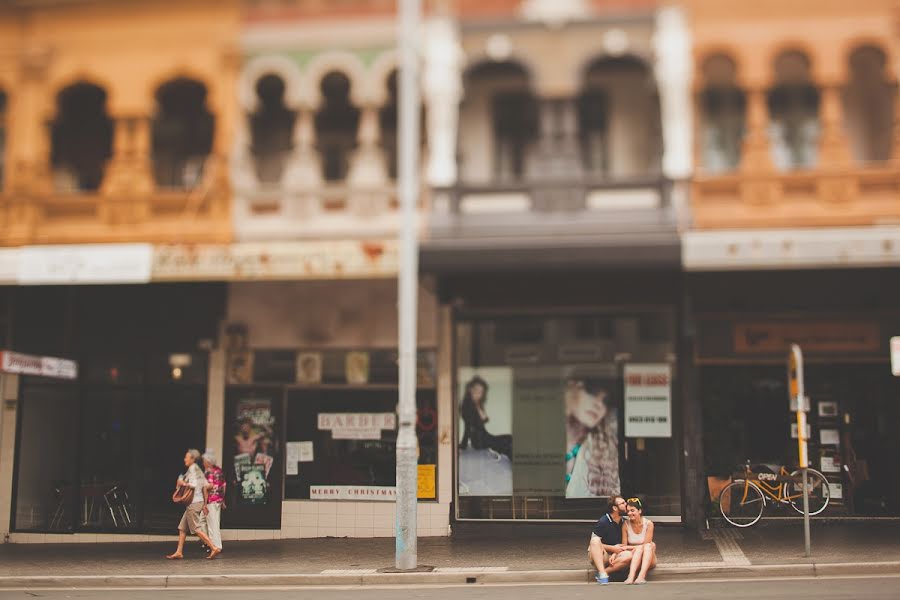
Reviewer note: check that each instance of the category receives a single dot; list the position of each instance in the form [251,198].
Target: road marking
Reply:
[471,569]
[727,542]
[349,571]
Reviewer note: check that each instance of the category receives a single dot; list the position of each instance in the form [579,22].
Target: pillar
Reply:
[756,155]
[442,87]
[367,179]
[302,177]
[673,71]
[834,146]
[9,397]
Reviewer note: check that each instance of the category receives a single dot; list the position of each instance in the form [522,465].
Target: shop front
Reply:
[310,421]
[843,322]
[566,392]
[99,451]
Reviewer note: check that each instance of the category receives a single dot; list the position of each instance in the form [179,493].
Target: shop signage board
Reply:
[772,337]
[648,400]
[357,426]
[85,264]
[895,355]
[276,261]
[42,366]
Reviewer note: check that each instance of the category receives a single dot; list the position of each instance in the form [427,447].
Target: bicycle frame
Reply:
[777,491]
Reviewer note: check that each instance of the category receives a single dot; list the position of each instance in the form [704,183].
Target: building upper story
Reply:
[798,115]
[116,118]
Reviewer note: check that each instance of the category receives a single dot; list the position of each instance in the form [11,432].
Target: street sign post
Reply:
[800,401]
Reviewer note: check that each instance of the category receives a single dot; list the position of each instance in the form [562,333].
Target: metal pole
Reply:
[798,391]
[408,189]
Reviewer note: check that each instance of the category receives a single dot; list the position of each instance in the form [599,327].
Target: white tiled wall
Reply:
[299,519]
[308,519]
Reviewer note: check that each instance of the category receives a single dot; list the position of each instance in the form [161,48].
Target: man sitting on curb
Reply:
[606,551]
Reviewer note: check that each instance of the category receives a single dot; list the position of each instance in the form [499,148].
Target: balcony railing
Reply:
[199,215]
[816,198]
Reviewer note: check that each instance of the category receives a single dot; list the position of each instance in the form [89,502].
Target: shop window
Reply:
[619,118]
[723,106]
[182,134]
[272,129]
[869,105]
[350,439]
[101,456]
[337,123]
[585,414]
[2,139]
[794,112]
[81,138]
[498,123]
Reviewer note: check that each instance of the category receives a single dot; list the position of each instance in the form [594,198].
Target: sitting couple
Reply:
[623,539]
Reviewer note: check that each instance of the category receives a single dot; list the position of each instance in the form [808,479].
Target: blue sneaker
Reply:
[601,580]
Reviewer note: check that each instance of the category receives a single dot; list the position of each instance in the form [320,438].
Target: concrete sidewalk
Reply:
[482,553]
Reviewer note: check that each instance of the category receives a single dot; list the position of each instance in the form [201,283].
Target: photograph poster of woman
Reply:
[547,430]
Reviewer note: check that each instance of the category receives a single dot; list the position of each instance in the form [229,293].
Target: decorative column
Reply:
[674,70]
[367,178]
[758,185]
[303,171]
[834,146]
[442,83]
[837,183]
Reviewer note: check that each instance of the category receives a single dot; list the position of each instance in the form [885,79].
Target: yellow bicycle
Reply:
[743,501]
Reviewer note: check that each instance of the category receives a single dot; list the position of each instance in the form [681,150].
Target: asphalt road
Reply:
[871,588]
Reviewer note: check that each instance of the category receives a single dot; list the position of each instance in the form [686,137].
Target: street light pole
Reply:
[408,191]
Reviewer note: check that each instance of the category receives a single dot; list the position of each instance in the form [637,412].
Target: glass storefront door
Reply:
[555,414]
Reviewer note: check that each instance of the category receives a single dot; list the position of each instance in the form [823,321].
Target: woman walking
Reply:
[215,501]
[190,520]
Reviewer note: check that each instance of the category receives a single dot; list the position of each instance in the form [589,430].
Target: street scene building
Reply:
[628,211]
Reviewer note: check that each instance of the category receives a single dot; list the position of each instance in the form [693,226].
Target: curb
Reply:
[663,573]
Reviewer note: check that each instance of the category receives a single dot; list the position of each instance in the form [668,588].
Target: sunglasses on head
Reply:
[636,501]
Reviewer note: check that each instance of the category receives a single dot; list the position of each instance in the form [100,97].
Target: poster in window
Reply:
[592,433]
[309,368]
[357,368]
[648,401]
[485,428]
[254,437]
[238,356]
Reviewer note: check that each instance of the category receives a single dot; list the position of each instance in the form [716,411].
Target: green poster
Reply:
[539,464]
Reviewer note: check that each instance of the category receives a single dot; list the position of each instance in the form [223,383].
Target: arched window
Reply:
[794,113]
[272,128]
[182,133]
[80,138]
[619,118]
[869,105]
[498,93]
[723,107]
[337,123]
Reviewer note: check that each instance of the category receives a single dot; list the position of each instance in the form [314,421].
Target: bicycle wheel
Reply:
[819,491]
[741,503]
